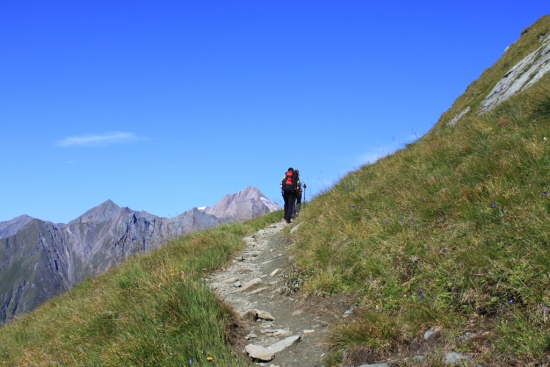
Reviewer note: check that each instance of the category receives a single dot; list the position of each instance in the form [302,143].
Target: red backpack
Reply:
[289,182]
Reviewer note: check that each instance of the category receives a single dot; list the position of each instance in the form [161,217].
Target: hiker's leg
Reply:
[289,206]
[292,199]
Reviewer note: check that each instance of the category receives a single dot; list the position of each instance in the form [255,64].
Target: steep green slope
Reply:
[451,232]
[152,311]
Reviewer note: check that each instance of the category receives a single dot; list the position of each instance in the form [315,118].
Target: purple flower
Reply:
[546,309]
[420,297]
[419,291]
[511,301]
[544,192]
[191,361]
[493,206]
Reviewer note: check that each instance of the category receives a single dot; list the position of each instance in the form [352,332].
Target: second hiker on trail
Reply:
[289,185]
[298,204]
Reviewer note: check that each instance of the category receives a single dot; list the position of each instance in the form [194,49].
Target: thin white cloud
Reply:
[88,140]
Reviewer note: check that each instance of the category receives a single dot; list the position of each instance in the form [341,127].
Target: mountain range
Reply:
[41,259]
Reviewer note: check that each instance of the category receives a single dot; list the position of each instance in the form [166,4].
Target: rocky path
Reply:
[279,330]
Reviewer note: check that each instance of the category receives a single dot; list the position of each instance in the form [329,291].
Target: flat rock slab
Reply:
[259,353]
[248,285]
[283,344]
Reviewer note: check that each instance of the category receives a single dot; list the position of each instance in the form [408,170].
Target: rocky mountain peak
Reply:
[105,211]
[14,225]
[245,204]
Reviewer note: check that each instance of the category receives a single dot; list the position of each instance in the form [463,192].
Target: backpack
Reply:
[289,182]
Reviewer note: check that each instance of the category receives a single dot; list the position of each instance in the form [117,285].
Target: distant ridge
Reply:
[40,259]
[11,227]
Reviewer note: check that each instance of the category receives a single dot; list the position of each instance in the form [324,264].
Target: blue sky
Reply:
[167,105]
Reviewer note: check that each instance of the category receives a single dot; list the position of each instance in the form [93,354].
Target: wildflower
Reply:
[546,309]
[511,301]
[493,206]
[419,291]
[544,192]
[191,361]
[420,297]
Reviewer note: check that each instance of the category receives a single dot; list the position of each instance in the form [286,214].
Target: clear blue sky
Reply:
[167,105]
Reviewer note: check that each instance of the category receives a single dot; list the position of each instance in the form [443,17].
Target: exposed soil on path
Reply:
[257,280]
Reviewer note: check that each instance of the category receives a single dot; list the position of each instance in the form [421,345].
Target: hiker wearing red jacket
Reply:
[289,185]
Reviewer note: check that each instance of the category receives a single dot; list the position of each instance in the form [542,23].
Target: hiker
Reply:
[289,185]
[298,195]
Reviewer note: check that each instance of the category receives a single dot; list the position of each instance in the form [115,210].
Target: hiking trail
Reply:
[277,326]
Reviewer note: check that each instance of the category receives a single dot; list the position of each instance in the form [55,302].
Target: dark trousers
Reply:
[298,204]
[289,205]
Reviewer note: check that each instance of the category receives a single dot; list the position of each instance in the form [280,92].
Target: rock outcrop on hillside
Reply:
[520,77]
[40,259]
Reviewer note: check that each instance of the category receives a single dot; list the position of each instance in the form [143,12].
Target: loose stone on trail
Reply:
[265,316]
[259,290]
[285,343]
[248,285]
[260,353]
[256,314]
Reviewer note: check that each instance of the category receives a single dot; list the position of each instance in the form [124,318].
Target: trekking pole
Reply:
[304,186]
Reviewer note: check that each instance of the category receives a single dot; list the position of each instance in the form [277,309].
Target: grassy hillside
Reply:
[451,232]
[152,311]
